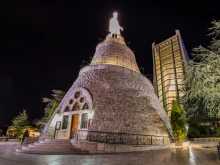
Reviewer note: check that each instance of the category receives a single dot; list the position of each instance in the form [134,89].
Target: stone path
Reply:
[193,155]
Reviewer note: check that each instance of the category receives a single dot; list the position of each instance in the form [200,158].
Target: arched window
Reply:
[85,106]
[76,107]
[67,109]
[70,101]
[82,99]
[77,94]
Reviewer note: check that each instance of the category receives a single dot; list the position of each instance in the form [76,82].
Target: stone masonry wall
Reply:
[115,54]
[123,103]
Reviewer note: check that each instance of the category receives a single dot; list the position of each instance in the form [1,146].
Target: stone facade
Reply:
[124,101]
[121,99]
[113,51]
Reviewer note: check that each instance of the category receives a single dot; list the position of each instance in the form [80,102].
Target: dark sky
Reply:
[43,45]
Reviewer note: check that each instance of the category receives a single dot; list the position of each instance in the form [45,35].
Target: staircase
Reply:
[51,146]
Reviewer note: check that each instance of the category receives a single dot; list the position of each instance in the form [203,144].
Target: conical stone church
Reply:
[111,101]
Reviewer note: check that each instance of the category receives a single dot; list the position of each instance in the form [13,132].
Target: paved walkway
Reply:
[193,155]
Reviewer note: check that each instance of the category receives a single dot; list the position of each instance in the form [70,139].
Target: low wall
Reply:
[14,140]
[207,139]
[122,138]
[98,148]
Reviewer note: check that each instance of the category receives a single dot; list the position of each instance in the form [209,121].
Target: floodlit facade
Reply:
[111,101]
[169,58]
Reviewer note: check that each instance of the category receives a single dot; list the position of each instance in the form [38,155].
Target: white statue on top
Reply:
[114,26]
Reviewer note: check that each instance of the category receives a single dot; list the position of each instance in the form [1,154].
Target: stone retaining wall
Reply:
[97,148]
[14,140]
[205,139]
[124,102]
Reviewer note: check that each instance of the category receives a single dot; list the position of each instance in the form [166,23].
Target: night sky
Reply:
[43,45]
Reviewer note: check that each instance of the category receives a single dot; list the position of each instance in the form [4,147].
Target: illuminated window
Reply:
[65,121]
[84,121]
[169,76]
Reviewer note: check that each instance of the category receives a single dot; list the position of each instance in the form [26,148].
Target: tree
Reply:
[51,105]
[201,99]
[178,122]
[1,132]
[21,122]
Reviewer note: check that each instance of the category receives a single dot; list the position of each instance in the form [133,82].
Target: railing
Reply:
[121,138]
[4,138]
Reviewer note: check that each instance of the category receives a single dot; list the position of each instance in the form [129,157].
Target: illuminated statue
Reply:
[114,26]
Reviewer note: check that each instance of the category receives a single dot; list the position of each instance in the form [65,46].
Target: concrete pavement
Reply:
[193,155]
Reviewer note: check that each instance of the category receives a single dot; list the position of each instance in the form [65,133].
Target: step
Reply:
[51,144]
[52,147]
[58,140]
[48,143]
[24,148]
[55,142]
[51,152]
[34,146]
[43,147]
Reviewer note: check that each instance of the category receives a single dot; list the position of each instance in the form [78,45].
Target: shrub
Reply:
[217,131]
[193,132]
[178,122]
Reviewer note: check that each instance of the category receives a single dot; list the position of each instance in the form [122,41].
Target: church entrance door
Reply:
[74,128]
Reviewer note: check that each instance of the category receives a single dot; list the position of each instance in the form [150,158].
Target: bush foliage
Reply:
[178,122]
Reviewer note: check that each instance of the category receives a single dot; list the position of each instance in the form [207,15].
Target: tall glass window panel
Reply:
[84,121]
[65,121]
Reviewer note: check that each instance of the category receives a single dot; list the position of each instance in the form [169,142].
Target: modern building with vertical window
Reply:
[169,59]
